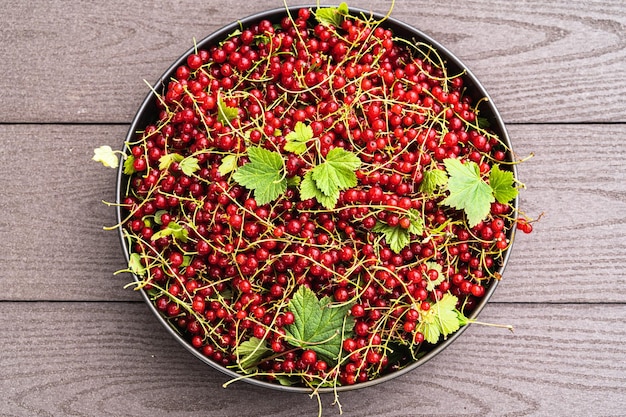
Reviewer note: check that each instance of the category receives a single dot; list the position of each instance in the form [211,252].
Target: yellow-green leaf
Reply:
[467,190]
[168,159]
[318,324]
[309,189]
[442,319]
[501,182]
[263,175]
[229,164]
[332,16]
[337,172]
[296,140]
[225,113]
[433,179]
[251,352]
[135,265]
[106,156]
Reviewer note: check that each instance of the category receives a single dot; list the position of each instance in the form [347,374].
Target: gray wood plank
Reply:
[53,216]
[113,359]
[542,62]
[577,250]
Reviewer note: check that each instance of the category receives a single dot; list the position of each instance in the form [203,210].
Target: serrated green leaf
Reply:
[294,181]
[229,164]
[157,216]
[225,113]
[417,223]
[166,160]
[337,172]
[172,229]
[440,277]
[189,165]
[441,319]
[309,189]
[501,182]
[332,16]
[262,39]
[135,265]
[286,380]
[263,175]
[447,314]
[106,156]
[463,321]
[433,179]
[431,333]
[396,237]
[318,324]
[483,123]
[251,352]
[231,35]
[296,140]
[129,167]
[467,190]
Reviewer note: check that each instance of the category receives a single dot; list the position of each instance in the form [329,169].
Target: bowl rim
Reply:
[396,25]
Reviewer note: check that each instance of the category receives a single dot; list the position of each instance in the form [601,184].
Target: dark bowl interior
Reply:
[148,112]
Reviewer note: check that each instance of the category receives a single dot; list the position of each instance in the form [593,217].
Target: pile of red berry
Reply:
[317,201]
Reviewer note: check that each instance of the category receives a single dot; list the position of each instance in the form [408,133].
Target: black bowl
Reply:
[148,112]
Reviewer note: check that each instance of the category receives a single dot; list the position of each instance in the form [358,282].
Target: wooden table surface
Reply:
[74,342]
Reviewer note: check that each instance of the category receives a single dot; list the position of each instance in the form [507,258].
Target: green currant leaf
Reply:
[396,237]
[135,265]
[483,123]
[157,216]
[263,175]
[417,223]
[168,159]
[318,324]
[501,182]
[189,165]
[431,332]
[106,156]
[251,352]
[440,277]
[172,229]
[433,179]
[337,172]
[309,189]
[129,167]
[441,319]
[468,191]
[225,113]
[447,314]
[463,321]
[296,140]
[262,39]
[294,181]
[229,164]
[286,380]
[231,35]
[332,16]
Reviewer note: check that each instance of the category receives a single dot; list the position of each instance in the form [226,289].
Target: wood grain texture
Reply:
[74,342]
[577,252]
[53,214]
[113,359]
[541,61]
